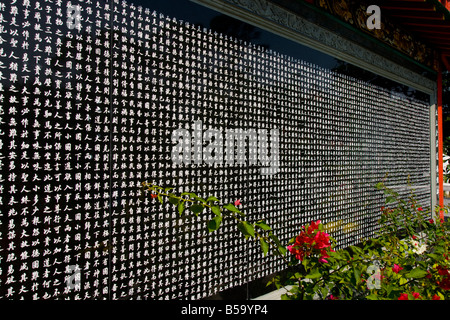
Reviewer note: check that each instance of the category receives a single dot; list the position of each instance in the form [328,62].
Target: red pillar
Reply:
[440,141]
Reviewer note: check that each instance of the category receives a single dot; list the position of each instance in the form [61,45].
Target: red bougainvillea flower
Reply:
[322,240]
[298,253]
[403,296]
[416,295]
[442,271]
[420,209]
[323,260]
[331,297]
[431,221]
[237,202]
[154,196]
[311,240]
[396,268]
[444,284]
[436,297]
[313,226]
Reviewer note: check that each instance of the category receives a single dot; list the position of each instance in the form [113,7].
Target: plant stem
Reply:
[257,236]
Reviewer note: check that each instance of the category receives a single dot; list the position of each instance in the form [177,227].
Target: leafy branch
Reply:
[259,231]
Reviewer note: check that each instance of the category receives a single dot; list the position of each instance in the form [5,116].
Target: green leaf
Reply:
[160,199]
[379,185]
[357,274]
[305,263]
[212,199]
[357,250]
[196,208]
[231,207]
[282,250]
[195,197]
[372,296]
[390,199]
[264,246]
[261,224]
[314,274]
[216,211]
[276,240]
[389,290]
[246,228]
[324,291]
[173,200]
[434,256]
[214,223]
[180,208]
[416,273]
[167,189]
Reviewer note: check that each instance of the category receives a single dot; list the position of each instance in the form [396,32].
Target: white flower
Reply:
[417,247]
[421,249]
